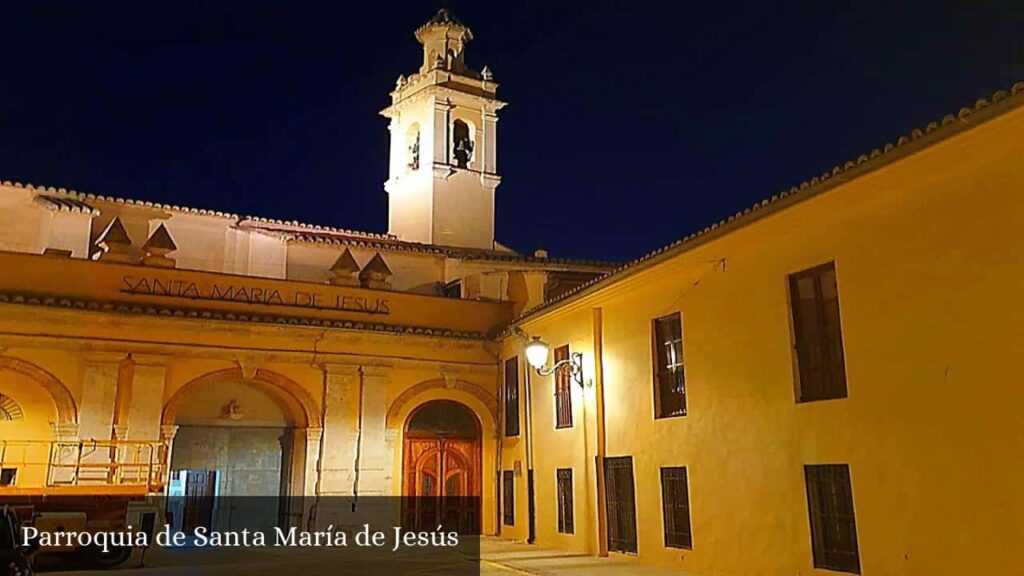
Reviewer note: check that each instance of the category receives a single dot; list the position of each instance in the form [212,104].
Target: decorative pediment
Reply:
[157,247]
[345,270]
[114,235]
[115,242]
[160,242]
[376,273]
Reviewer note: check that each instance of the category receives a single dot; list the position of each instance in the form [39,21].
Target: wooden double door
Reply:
[442,484]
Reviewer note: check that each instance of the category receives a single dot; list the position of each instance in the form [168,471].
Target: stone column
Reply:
[391,439]
[338,455]
[99,393]
[141,419]
[313,438]
[64,431]
[147,403]
[489,152]
[122,403]
[127,470]
[441,126]
[373,451]
[167,434]
[96,418]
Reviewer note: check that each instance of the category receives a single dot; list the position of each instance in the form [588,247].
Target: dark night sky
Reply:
[631,123]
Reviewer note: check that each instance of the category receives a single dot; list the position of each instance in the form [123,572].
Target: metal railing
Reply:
[41,463]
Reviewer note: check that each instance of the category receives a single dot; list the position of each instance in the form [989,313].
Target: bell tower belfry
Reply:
[443,170]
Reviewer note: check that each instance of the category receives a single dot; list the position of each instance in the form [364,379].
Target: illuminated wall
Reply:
[926,251]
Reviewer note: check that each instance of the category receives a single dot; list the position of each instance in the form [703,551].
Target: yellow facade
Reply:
[106,341]
[926,251]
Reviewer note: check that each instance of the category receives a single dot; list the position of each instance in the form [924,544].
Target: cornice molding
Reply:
[113,307]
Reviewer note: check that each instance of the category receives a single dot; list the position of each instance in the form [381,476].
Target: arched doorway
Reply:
[241,438]
[441,468]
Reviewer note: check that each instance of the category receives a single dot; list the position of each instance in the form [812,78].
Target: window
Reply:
[675,503]
[669,377]
[453,289]
[8,476]
[412,138]
[564,479]
[818,341]
[563,391]
[508,498]
[512,396]
[833,528]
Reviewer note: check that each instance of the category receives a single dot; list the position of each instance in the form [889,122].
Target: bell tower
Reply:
[443,170]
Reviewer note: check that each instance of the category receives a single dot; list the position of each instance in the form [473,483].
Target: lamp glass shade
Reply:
[537,352]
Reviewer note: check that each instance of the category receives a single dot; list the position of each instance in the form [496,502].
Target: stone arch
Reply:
[403,405]
[67,410]
[296,402]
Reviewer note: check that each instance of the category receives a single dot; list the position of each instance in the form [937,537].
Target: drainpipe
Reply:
[528,405]
[499,434]
[602,509]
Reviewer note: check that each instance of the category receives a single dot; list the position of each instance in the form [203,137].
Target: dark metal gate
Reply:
[621,503]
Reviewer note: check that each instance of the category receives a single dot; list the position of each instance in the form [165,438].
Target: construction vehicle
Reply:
[84,486]
[15,557]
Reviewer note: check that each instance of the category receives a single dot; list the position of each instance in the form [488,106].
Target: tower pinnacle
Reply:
[443,170]
[444,38]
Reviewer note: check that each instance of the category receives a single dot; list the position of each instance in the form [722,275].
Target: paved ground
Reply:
[504,557]
[498,558]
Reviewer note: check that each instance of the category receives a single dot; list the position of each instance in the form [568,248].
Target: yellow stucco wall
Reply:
[927,254]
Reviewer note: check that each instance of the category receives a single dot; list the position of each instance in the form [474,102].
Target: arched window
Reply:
[462,144]
[412,140]
[443,418]
[9,409]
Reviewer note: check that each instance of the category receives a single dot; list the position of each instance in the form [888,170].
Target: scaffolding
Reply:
[35,464]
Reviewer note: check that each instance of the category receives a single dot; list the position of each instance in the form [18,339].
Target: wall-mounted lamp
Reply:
[537,355]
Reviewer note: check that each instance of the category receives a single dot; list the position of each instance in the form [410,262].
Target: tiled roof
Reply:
[65,204]
[65,199]
[966,118]
[301,232]
[294,226]
[465,254]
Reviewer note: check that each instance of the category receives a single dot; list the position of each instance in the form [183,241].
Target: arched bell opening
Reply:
[463,143]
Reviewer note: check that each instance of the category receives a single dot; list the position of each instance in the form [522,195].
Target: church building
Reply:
[173,349]
[820,383]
